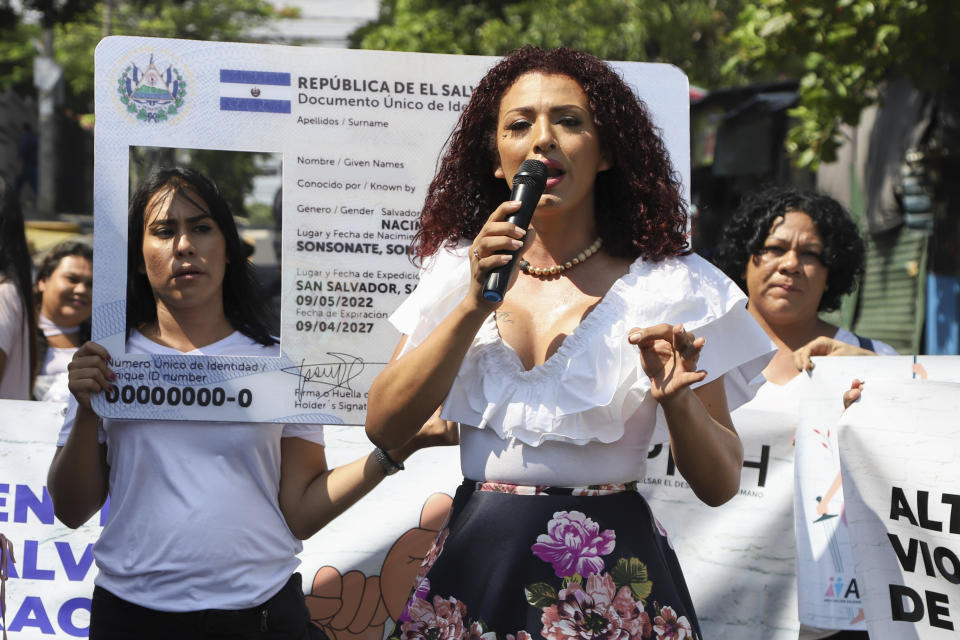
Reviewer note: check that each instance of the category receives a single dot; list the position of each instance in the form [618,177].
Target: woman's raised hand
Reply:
[852,394]
[89,373]
[496,235]
[668,355]
[824,346]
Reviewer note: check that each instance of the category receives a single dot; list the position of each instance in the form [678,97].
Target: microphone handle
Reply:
[498,278]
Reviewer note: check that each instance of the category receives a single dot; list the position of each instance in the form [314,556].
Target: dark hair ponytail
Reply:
[15,262]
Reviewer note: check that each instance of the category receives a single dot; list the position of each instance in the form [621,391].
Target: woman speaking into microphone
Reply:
[610,335]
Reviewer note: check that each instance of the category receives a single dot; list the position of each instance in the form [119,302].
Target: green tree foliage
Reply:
[686,33]
[192,19]
[19,40]
[232,171]
[77,36]
[16,56]
[842,51]
[50,12]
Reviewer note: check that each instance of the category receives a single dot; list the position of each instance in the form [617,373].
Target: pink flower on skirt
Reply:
[499,487]
[434,552]
[632,616]
[598,490]
[440,620]
[573,544]
[669,627]
[586,613]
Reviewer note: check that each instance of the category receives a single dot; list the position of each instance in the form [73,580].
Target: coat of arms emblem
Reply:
[151,94]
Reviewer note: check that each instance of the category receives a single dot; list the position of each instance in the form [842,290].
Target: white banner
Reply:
[830,591]
[357,571]
[48,594]
[741,560]
[900,452]
[738,558]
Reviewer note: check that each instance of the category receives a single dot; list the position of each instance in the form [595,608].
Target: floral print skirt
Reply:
[522,563]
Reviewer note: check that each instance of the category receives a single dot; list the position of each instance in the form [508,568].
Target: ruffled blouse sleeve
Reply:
[592,389]
[444,281]
[715,308]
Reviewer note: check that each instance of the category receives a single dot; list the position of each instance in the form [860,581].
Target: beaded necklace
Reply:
[557,269]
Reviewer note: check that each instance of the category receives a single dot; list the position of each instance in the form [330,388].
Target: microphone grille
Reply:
[531,172]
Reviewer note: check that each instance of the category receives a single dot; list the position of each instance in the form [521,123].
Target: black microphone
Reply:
[528,185]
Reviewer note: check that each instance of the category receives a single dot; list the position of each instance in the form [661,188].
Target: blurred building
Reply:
[321,23]
[895,174]
[737,138]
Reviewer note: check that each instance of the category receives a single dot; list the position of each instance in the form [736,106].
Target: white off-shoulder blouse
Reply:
[584,416]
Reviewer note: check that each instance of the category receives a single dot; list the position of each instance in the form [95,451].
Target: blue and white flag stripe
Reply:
[239,76]
[265,92]
[259,91]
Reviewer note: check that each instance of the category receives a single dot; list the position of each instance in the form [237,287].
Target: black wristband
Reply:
[390,466]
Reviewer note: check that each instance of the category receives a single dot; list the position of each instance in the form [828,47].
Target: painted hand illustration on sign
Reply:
[353,606]
[823,502]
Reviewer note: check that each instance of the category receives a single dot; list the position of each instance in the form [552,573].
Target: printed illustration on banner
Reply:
[258,91]
[152,90]
[838,590]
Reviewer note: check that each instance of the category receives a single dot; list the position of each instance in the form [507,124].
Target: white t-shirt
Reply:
[51,382]
[879,348]
[15,343]
[194,520]
[584,416]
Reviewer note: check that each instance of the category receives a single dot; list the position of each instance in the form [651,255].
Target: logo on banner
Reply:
[152,90]
[838,590]
[258,91]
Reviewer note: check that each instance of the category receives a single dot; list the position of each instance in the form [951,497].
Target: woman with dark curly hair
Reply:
[560,388]
[637,190]
[796,253]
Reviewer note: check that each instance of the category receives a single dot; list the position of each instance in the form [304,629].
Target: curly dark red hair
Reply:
[639,193]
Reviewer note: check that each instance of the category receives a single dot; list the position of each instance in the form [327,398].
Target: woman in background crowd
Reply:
[205,518]
[17,322]
[796,253]
[63,298]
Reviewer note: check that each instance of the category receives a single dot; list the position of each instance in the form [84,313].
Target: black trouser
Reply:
[282,617]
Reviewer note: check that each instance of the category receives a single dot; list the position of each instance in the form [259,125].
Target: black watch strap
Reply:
[390,466]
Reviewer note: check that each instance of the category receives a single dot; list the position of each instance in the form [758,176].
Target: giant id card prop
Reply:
[356,136]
